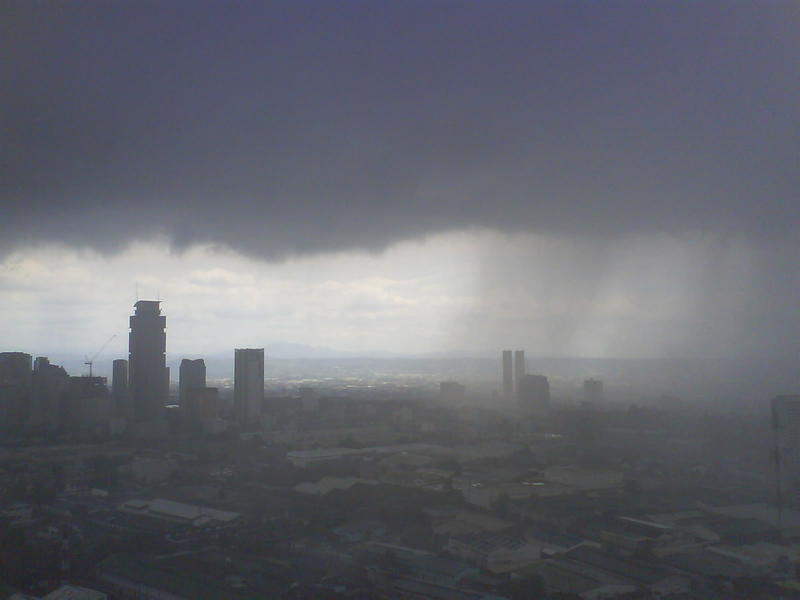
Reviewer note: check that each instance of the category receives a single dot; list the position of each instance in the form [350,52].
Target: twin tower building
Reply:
[531,391]
[140,385]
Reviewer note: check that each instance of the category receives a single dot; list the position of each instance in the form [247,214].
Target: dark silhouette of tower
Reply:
[192,377]
[248,384]
[508,375]
[519,367]
[15,389]
[147,361]
[119,388]
[48,391]
[786,432]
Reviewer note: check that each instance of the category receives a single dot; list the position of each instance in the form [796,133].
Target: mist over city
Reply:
[457,300]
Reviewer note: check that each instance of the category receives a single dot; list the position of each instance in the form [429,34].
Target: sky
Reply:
[577,179]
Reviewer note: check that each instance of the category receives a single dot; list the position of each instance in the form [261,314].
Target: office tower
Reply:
[15,389]
[593,391]
[248,384]
[49,384]
[508,376]
[519,367]
[192,376]
[533,393]
[119,388]
[147,366]
[786,429]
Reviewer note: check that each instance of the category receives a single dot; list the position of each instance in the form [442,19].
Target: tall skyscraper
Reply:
[533,393]
[508,375]
[519,367]
[147,361]
[119,388]
[786,429]
[192,376]
[248,384]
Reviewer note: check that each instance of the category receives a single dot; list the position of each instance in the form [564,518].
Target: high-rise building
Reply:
[248,384]
[533,393]
[519,367]
[49,385]
[15,389]
[508,375]
[119,388]
[192,376]
[786,429]
[593,391]
[147,361]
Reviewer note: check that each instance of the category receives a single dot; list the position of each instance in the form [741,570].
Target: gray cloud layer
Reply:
[310,126]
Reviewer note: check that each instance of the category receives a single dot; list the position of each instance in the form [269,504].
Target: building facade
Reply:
[192,376]
[15,389]
[119,388]
[519,367]
[248,384]
[147,377]
[49,385]
[508,375]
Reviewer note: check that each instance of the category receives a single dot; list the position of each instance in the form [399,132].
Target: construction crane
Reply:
[90,361]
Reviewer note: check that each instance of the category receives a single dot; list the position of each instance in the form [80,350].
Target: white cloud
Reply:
[474,290]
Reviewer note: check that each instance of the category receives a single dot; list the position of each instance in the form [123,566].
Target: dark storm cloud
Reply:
[309,126]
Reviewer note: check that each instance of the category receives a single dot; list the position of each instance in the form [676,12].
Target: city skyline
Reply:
[623,186]
[399,299]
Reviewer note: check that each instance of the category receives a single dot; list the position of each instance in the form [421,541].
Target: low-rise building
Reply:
[179,512]
[495,552]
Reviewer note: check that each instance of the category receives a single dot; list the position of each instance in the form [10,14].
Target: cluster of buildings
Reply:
[532,392]
[38,397]
[383,494]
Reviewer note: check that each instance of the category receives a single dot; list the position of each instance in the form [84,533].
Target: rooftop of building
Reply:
[179,511]
[147,306]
